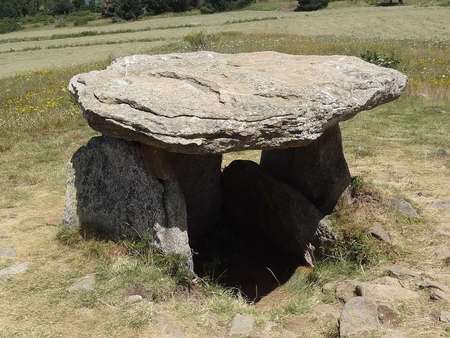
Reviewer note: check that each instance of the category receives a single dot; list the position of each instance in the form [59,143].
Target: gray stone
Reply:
[8,252]
[442,205]
[111,189]
[318,170]
[199,179]
[431,284]
[394,334]
[207,102]
[134,299]
[10,271]
[445,317]
[359,318]
[405,208]
[242,326]
[86,283]
[385,293]
[378,232]
[324,237]
[387,315]
[254,201]
[345,290]
[399,271]
[440,295]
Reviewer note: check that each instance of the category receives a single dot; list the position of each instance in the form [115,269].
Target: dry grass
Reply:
[394,147]
[21,50]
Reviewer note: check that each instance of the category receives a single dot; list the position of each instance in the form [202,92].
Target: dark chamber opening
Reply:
[244,259]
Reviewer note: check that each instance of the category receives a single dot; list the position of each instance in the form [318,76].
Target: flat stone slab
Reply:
[207,102]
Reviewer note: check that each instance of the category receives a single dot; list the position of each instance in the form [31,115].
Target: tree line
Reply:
[122,9]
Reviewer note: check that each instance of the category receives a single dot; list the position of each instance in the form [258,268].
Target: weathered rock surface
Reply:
[86,283]
[111,189]
[385,293]
[324,237]
[405,208]
[257,202]
[207,102]
[199,179]
[318,170]
[359,318]
[401,272]
[445,317]
[9,272]
[8,252]
[242,326]
[378,232]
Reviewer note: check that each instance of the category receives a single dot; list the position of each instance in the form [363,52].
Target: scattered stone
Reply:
[242,325]
[405,208]
[445,317]
[443,254]
[442,153]
[385,293]
[16,269]
[430,284]
[134,299]
[111,191]
[378,232]
[442,205]
[359,318]
[86,283]
[265,100]
[324,237]
[256,202]
[394,334]
[324,171]
[345,290]
[386,280]
[387,315]
[8,252]
[439,295]
[401,272]
[326,313]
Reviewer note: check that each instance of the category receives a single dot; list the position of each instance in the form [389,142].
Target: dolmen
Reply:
[165,121]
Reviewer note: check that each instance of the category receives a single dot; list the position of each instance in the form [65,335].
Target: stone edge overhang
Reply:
[122,129]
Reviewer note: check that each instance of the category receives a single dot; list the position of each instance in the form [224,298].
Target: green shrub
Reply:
[82,21]
[126,9]
[62,7]
[211,6]
[199,41]
[311,5]
[9,25]
[380,59]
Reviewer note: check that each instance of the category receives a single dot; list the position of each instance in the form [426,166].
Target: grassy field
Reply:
[67,46]
[400,149]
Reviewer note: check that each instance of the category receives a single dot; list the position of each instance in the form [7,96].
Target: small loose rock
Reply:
[378,232]
[402,272]
[345,290]
[134,299]
[405,208]
[242,325]
[445,317]
[440,295]
[86,283]
[8,252]
[359,318]
[8,272]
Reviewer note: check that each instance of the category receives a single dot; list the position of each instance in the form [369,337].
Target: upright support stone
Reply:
[255,202]
[318,170]
[110,190]
[199,179]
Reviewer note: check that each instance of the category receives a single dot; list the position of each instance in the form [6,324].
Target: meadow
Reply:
[399,149]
